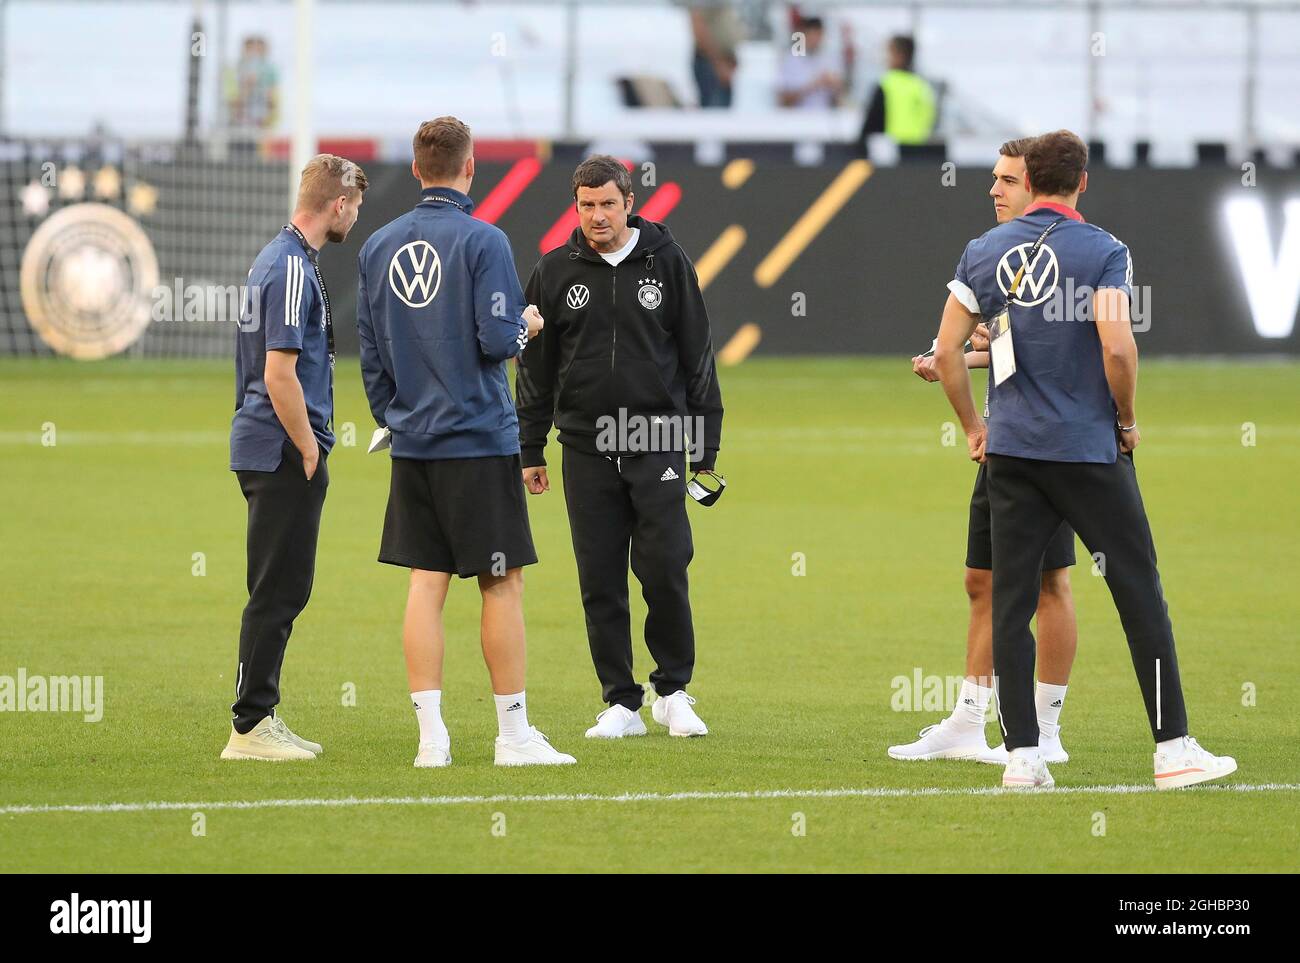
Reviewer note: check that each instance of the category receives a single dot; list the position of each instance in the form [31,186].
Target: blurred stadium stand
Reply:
[1175,73]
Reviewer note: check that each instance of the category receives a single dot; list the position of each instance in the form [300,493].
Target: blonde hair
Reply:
[326,177]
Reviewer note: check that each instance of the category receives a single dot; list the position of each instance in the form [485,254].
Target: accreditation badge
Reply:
[1002,352]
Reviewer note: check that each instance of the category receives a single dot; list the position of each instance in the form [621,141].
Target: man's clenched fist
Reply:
[535,480]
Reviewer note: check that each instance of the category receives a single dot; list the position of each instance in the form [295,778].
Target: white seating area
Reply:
[1173,77]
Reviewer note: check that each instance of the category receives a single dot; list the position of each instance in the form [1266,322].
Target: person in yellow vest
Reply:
[902,105]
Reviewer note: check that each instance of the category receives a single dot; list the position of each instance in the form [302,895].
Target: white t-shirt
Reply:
[797,72]
[617,256]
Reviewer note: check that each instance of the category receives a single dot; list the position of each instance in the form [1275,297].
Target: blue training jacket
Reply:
[439,312]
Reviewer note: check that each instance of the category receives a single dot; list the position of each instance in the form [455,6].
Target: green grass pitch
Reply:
[840,460]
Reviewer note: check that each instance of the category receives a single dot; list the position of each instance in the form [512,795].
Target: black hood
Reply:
[653,236]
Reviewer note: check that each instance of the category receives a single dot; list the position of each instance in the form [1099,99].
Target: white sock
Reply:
[428,713]
[1032,753]
[1049,699]
[972,705]
[512,717]
[1170,745]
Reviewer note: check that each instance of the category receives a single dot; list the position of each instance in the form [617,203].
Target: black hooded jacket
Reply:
[632,337]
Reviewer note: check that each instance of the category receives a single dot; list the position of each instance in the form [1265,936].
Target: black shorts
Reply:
[979,537]
[460,515]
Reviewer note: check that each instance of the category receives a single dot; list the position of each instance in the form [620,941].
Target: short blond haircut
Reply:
[326,177]
[441,147]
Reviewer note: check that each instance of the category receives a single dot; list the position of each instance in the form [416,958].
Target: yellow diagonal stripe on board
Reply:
[721,251]
[812,222]
[737,172]
[741,343]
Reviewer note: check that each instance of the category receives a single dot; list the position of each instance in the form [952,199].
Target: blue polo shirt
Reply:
[284,307]
[1057,406]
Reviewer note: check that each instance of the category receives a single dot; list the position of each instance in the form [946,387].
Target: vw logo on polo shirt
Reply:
[577,296]
[416,270]
[650,293]
[1040,278]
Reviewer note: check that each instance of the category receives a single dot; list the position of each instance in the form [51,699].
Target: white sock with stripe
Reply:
[1049,700]
[428,713]
[512,717]
[972,705]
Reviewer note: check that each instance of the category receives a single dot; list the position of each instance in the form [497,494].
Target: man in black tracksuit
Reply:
[625,370]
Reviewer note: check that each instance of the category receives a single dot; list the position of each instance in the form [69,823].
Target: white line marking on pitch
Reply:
[635,797]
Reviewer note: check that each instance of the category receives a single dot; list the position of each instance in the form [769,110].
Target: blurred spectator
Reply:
[717,31]
[808,75]
[902,105]
[252,89]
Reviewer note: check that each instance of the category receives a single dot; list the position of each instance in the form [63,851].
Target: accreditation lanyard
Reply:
[444,199]
[325,307]
[1002,354]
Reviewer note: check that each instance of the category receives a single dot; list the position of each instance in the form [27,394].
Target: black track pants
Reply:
[634,508]
[284,510]
[1028,500]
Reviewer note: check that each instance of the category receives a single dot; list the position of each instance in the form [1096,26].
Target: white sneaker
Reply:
[1053,751]
[534,751]
[1051,746]
[268,741]
[432,756]
[997,756]
[1187,764]
[1023,774]
[299,741]
[615,723]
[675,712]
[943,740]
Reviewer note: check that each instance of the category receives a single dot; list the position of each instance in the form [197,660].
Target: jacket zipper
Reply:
[613,346]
